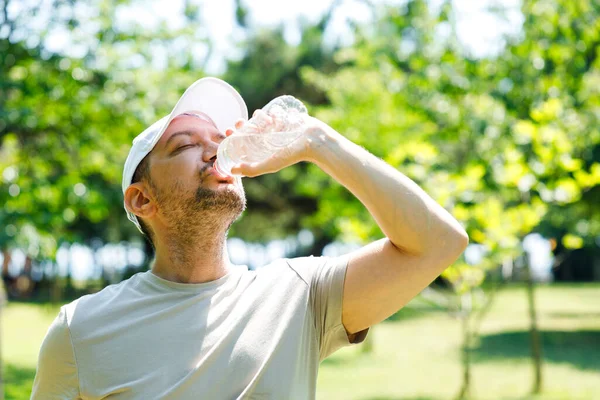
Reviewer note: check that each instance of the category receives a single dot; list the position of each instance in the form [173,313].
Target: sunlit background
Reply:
[491,106]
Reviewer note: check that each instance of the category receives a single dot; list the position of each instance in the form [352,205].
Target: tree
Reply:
[67,120]
[556,99]
[496,144]
[62,164]
[557,123]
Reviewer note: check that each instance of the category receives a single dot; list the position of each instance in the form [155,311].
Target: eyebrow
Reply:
[188,133]
[173,136]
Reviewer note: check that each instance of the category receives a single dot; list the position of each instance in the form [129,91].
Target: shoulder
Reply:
[311,268]
[303,266]
[90,306]
[57,370]
[305,269]
[58,334]
[285,270]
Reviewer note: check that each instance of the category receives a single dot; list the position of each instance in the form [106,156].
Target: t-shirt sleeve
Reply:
[325,276]
[56,376]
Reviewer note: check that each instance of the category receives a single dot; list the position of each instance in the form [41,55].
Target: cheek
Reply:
[175,176]
[185,165]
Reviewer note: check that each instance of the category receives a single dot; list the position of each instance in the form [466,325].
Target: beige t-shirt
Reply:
[248,335]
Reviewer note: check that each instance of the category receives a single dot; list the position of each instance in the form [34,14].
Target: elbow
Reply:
[453,235]
[460,241]
[463,239]
[454,241]
[452,247]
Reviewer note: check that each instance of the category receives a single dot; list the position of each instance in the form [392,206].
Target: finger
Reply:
[260,114]
[238,170]
[249,170]
[262,120]
[278,124]
[268,166]
[239,123]
[228,132]
[250,128]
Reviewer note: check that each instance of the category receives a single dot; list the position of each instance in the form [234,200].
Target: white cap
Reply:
[212,96]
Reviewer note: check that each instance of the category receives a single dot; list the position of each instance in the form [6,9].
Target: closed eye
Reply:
[177,150]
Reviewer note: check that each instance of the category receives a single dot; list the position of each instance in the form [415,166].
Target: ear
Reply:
[139,201]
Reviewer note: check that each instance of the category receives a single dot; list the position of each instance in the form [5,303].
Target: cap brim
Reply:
[214,97]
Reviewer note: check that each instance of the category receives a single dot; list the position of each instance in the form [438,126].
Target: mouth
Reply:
[221,178]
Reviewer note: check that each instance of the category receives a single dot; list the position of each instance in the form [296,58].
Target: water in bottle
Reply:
[257,141]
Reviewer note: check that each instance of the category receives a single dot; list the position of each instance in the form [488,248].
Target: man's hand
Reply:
[299,150]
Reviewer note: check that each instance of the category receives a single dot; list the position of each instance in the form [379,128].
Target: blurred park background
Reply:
[491,106]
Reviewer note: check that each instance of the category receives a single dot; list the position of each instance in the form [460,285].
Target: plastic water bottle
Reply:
[257,140]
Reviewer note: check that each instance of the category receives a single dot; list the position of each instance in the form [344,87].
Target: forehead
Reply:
[191,121]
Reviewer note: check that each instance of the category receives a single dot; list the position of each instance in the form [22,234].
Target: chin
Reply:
[222,196]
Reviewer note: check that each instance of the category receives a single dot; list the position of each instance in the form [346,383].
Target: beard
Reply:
[230,201]
[204,211]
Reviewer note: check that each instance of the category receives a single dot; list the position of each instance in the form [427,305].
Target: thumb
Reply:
[268,166]
[243,169]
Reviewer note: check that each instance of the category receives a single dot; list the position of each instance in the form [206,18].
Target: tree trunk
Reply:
[466,357]
[471,326]
[465,313]
[536,344]
[3,300]
[1,359]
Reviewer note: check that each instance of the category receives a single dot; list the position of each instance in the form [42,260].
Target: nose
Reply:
[210,151]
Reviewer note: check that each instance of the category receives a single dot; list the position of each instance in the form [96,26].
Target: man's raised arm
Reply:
[422,240]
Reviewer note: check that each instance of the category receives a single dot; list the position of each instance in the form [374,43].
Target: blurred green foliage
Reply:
[509,144]
[67,122]
[503,143]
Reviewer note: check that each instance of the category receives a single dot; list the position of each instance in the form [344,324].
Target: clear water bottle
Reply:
[259,138]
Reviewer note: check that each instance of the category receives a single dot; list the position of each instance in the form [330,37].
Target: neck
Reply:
[194,254]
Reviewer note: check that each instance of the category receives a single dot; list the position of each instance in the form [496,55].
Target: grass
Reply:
[415,357]
[418,356]
[18,381]
[23,329]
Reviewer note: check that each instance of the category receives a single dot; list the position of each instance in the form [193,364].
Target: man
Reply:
[196,326]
